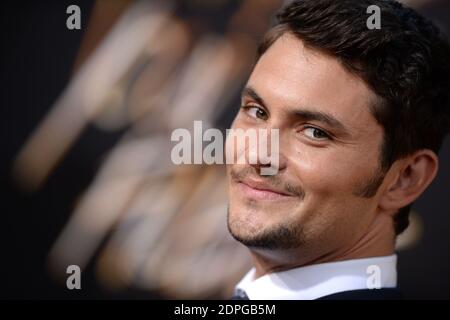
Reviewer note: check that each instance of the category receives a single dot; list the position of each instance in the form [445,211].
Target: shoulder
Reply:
[366,294]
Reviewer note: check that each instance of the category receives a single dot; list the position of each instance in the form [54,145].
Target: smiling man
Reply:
[361,115]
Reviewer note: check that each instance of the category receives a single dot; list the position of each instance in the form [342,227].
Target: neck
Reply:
[378,241]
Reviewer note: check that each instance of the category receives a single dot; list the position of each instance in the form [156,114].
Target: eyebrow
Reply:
[320,117]
[249,91]
[301,113]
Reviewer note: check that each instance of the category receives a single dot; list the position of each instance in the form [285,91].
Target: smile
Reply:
[260,191]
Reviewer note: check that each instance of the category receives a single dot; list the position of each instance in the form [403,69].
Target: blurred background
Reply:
[86,176]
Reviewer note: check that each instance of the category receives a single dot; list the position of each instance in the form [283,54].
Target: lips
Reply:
[260,190]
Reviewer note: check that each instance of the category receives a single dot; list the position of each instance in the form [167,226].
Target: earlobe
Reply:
[413,175]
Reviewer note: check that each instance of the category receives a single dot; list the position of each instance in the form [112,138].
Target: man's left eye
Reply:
[316,134]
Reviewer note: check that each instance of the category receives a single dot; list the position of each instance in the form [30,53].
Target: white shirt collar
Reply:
[315,281]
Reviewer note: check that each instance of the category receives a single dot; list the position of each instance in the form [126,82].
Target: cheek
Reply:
[233,149]
[316,170]
[329,179]
[330,173]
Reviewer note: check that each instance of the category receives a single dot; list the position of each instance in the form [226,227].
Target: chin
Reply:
[246,221]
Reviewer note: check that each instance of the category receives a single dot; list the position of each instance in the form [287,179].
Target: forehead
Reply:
[290,75]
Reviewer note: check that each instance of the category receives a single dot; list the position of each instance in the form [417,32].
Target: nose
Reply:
[265,155]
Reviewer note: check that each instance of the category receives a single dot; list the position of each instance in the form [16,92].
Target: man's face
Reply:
[329,151]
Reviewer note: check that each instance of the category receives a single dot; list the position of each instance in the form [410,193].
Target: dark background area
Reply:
[37,60]
[37,57]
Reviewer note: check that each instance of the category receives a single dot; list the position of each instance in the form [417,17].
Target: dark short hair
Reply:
[406,63]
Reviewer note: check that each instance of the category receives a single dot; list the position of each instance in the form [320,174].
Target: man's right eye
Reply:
[255,112]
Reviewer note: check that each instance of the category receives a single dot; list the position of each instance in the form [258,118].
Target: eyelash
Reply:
[248,107]
[327,136]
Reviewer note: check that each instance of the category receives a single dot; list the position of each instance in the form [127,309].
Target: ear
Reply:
[410,176]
